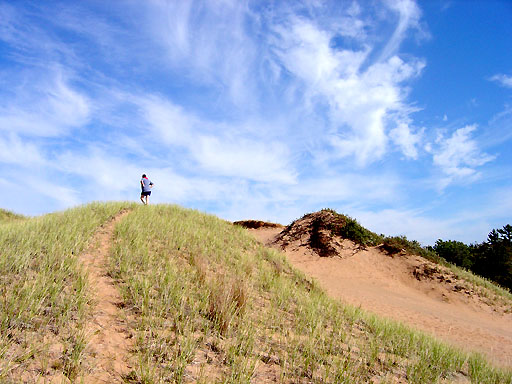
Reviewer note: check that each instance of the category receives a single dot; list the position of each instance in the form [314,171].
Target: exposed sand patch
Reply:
[110,336]
[399,287]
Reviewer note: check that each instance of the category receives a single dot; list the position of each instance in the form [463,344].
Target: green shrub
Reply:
[356,232]
[349,228]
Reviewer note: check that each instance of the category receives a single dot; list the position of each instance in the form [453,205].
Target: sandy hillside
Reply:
[403,287]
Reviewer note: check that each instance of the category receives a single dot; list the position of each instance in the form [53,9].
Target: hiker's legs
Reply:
[142,199]
[147,200]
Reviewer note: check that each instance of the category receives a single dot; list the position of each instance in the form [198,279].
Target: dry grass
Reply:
[7,216]
[227,300]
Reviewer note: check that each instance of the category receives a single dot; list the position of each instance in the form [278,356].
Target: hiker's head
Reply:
[143,175]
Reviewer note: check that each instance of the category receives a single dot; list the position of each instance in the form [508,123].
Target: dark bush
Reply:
[455,252]
[491,259]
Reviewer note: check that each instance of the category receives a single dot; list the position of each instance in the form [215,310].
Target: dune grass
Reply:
[43,290]
[213,305]
[8,216]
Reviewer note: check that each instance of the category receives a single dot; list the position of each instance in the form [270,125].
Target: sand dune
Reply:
[404,288]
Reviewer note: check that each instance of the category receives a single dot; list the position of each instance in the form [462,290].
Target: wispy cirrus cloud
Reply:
[43,103]
[211,43]
[409,15]
[300,61]
[15,151]
[215,47]
[223,149]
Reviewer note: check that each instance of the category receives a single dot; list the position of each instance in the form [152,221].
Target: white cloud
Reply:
[305,51]
[347,187]
[285,203]
[351,24]
[503,80]
[110,177]
[64,195]
[255,160]
[446,220]
[223,149]
[103,172]
[418,225]
[208,41]
[459,155]
[36,190]
[171,185]
[31,44]
[500,128]
[409,16]
[14,150]
[363,102]
[44,107]
[406,140]
[409,222]
[169,121]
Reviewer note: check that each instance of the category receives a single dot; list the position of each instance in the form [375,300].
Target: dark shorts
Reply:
[148,193]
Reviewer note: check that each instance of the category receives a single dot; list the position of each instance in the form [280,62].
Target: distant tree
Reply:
[506,233]
[493,258]
[455,252]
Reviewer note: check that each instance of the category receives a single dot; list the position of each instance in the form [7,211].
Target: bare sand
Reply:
[386,285]
[111,339]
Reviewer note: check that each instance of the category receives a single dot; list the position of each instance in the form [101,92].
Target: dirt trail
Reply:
[386,286]
[110,337]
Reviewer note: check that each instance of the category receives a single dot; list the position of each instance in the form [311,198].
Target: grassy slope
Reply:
[213,305]
[43,291]
[7,216]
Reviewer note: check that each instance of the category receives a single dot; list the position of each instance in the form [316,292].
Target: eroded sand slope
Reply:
[405,288]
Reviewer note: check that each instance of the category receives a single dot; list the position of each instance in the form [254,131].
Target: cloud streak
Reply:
[503,80]
[218,148]
[45,104]
[409,16]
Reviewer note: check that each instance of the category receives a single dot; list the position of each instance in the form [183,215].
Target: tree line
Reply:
[491,259]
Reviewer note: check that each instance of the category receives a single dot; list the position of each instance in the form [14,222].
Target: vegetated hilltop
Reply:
[7,216]
[204,302]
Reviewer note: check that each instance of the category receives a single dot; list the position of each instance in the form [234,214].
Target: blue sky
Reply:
[397,113]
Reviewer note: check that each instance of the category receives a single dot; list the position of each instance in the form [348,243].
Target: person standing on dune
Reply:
[146,186]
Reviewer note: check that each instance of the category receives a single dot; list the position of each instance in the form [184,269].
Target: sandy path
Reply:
[384,285]
[110,337]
